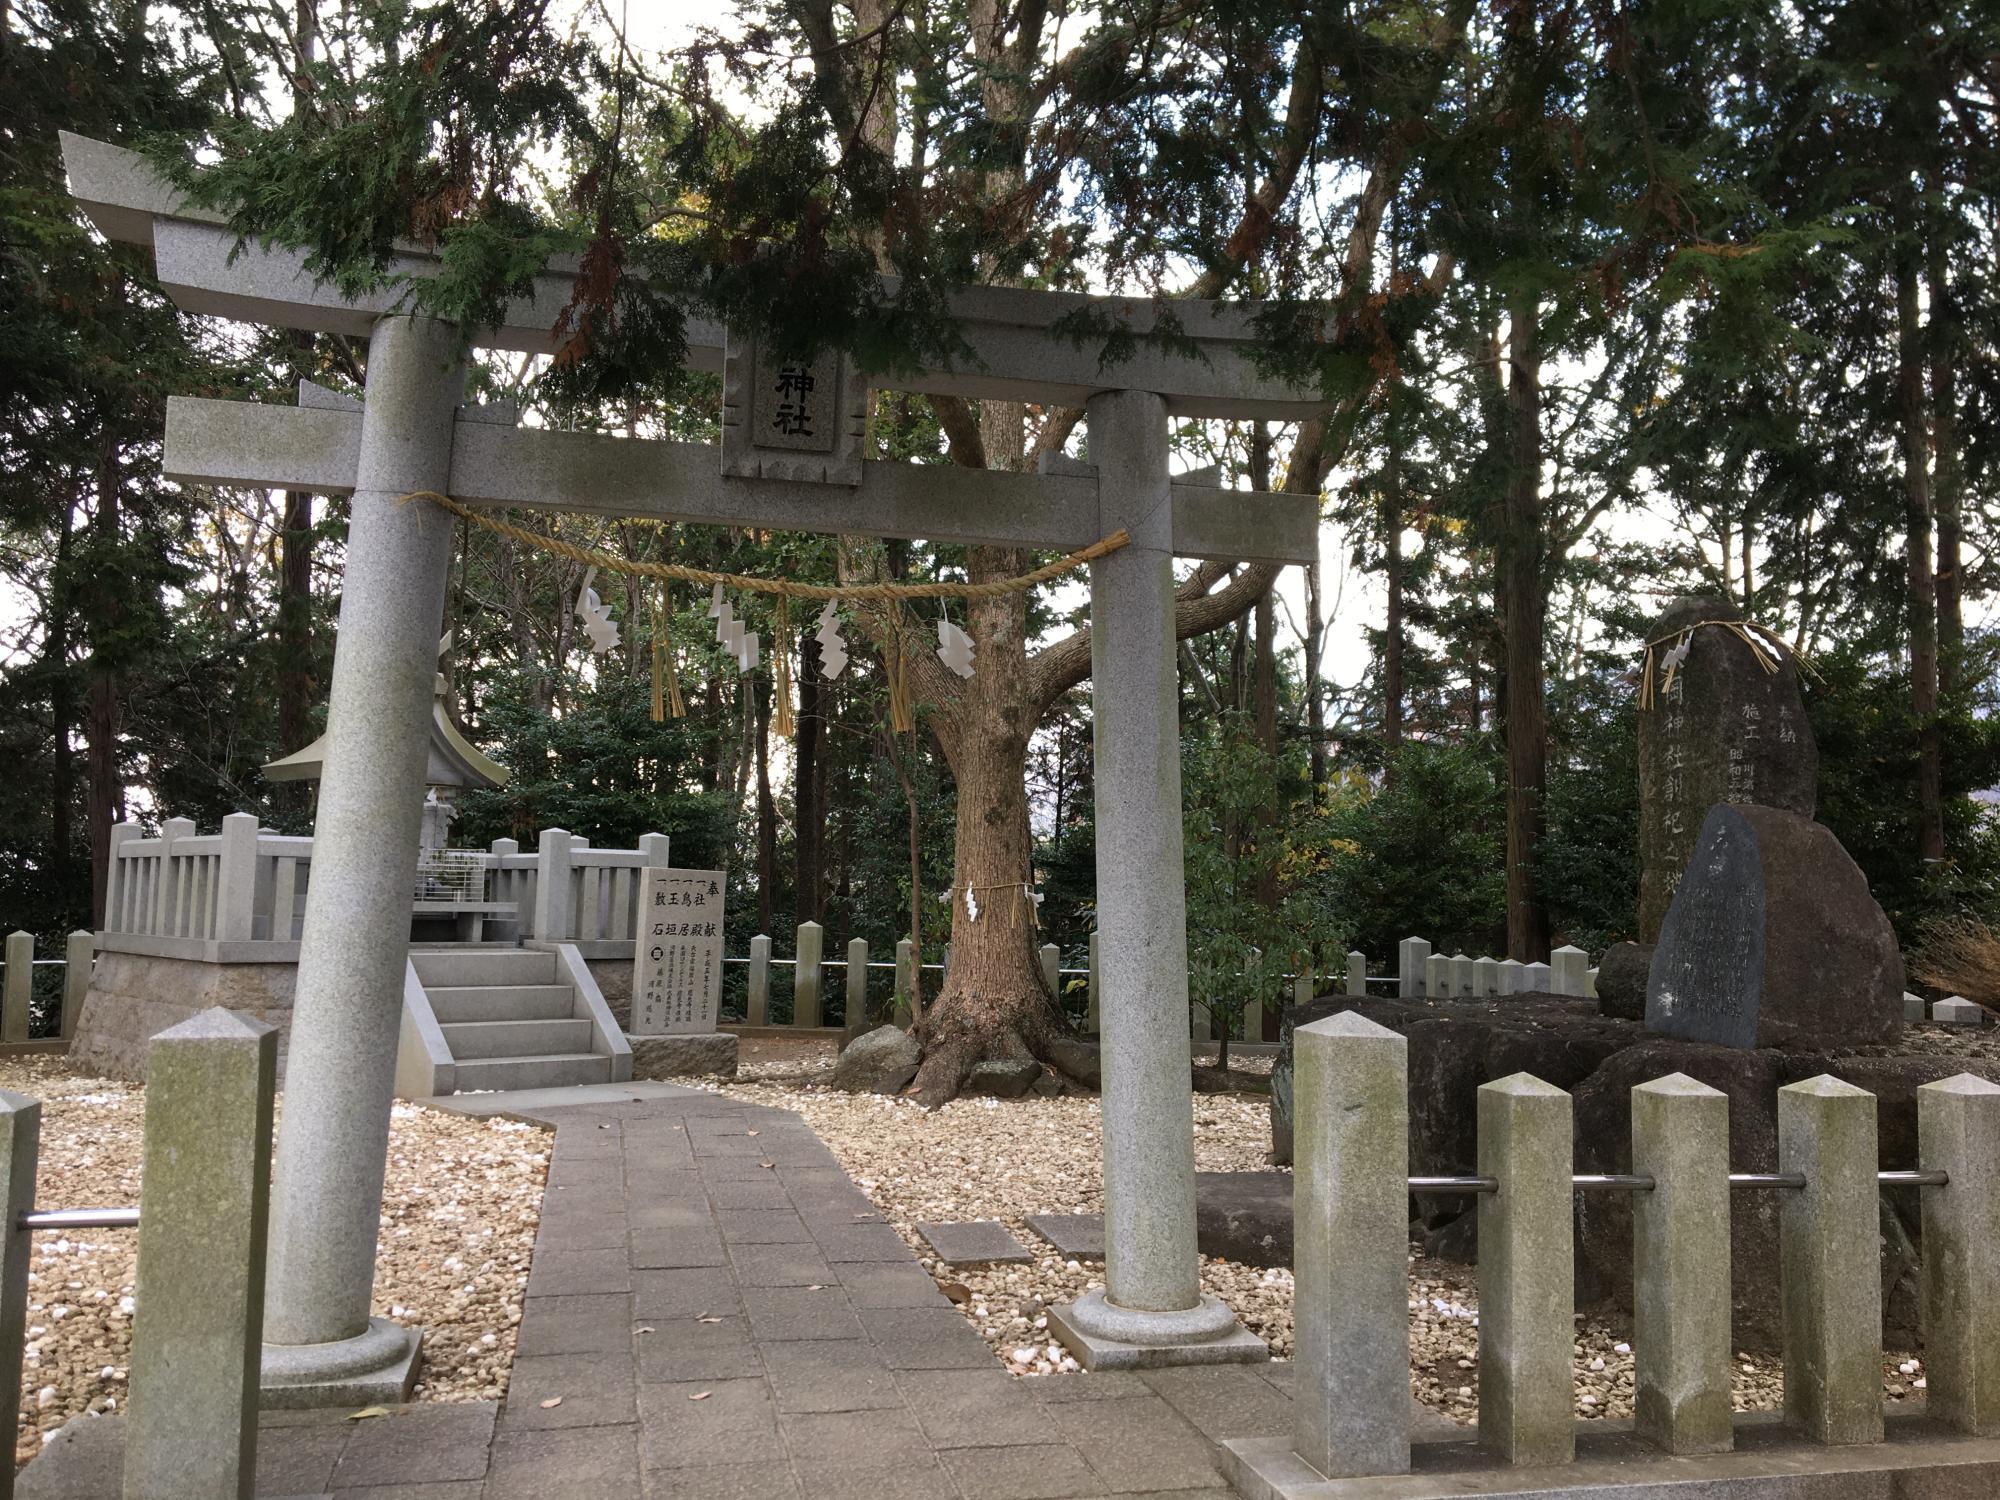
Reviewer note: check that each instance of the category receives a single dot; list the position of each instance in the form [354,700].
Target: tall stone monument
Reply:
[1720,720]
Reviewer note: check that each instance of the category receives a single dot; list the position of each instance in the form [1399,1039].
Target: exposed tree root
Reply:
[965,1027]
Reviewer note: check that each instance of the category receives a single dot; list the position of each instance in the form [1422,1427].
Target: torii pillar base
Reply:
[377,1369]
[1105,1336]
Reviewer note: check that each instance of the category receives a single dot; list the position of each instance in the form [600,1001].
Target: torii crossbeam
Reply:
[802,471]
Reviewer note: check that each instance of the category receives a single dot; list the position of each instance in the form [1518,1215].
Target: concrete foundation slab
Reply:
[1920,1460]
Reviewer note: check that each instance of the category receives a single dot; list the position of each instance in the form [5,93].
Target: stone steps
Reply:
[503,966]
[501,1002]
[552,1070]
[471,1040]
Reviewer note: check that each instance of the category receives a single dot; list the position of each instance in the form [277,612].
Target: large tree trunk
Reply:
[104,788]
[62,705]
[1922,598]
[1948,469]
[1392,622]
[1522,548]
[767,817]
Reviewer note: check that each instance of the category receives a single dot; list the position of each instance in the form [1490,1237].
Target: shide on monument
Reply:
[791,459]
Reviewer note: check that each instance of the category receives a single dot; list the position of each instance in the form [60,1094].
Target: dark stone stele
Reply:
[1773,940]
[1728,731]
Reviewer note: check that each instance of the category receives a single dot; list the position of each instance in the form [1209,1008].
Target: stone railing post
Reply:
[79,957]
[1680,1266]
[857,981]
[166,881]
[20,1148]
[806,975]
[654,848]
[1829,1253]
[1051,961]
[236,880]
[1351,1390]
[1461,975]
[757,999]
[1302,989]
[1566,969]
[1092,1013]
[191,1430]
[17,992]
[116,893]
[903,1011]
[1485,977]
[552,880]
[1357,975]
[1507,976]
[1526,1274]
[1412,958]
[1437,975]
[1958,1133]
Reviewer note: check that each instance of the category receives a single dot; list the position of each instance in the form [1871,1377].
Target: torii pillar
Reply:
[1152,1310]
[321,1347]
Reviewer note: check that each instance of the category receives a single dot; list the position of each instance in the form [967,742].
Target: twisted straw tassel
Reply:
[666,680]
[784,588]
[781,672]
[1763,653]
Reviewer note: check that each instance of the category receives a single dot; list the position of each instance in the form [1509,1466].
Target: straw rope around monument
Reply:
[1767,652]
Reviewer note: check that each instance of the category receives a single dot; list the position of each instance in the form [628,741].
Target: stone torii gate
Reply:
[412,433]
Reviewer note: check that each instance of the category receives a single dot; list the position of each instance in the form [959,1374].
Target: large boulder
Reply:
[1621,980]
[1003,1077]
[1774,940]
[1244,1216]
[1079,1061]
[882,1061]
[1726,730]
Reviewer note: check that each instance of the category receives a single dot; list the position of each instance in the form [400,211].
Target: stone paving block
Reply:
[779,1265]
[688,1292]
[925,1338]
[735,1422]
[668,1249]
[736,1168]
[761,1226]
[975,1408]
[564,1273]
[684,1349]
[1223,1401]
[779,1314]
[451,1489]
[300,1460]
[756,1481]
[829,1375]
[982,1243]
[860,1241]
[1137,1444]
[597,1324]
[919,1479]
[424,1444]
[601,1462]
[1051,1471]
[1102,1385]
[853,1439]
[656,1215]
[1079,1236]
[754,1193]
[583,1232]
[593,1392]
[883,1284]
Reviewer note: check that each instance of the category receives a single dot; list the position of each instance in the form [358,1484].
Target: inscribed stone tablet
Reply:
[677,961]
[787,418]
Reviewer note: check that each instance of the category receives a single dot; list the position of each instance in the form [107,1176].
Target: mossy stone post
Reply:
[191,1431]
[1091,1002]
[1567,966]
[1829,1250]
[79,956]
[20,1148]
[757,1001]
[857,982]
[1412,959]
[904,1009]
[1526,1273]
[806,975]
[1351,1143]
[1437,975]
[1680,1266]
[1357,975]
[18,992]
[1051,958]
[1958,1133]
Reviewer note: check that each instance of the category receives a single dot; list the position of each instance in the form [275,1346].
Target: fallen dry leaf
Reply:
[957,1291]
[552,1401]
[701,1395]
[366,1412]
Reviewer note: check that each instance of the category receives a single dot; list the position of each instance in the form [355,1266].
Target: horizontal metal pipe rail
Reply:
[1626,1182]
[79,1218]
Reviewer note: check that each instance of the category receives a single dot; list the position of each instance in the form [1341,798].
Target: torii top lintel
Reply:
[199,265]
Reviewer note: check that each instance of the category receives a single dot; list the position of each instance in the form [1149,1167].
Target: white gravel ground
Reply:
[460,1209]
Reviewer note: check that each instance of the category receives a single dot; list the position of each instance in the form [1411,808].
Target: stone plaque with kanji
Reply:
[677,961]
[789,418]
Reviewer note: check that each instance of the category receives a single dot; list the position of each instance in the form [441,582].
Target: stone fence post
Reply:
[1527,1338]
[757,1002]
[191,1429]
[1829,1253]
[17,990]
[1567,966]
[79,957]
[1680,1260]
[1412,966]
[806,975]
[655,847]
[236,880]
[903,1012]
[1357,975]
[1958,1132]
[20,1148]
[552,874]
[1351,1393]
[857,981]
[1051,958]
[1091,1023]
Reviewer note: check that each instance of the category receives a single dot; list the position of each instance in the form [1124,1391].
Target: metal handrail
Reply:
[78,1218]
[1629,1182]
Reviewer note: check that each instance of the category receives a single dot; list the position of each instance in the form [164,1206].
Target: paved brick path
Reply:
[725,1316]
